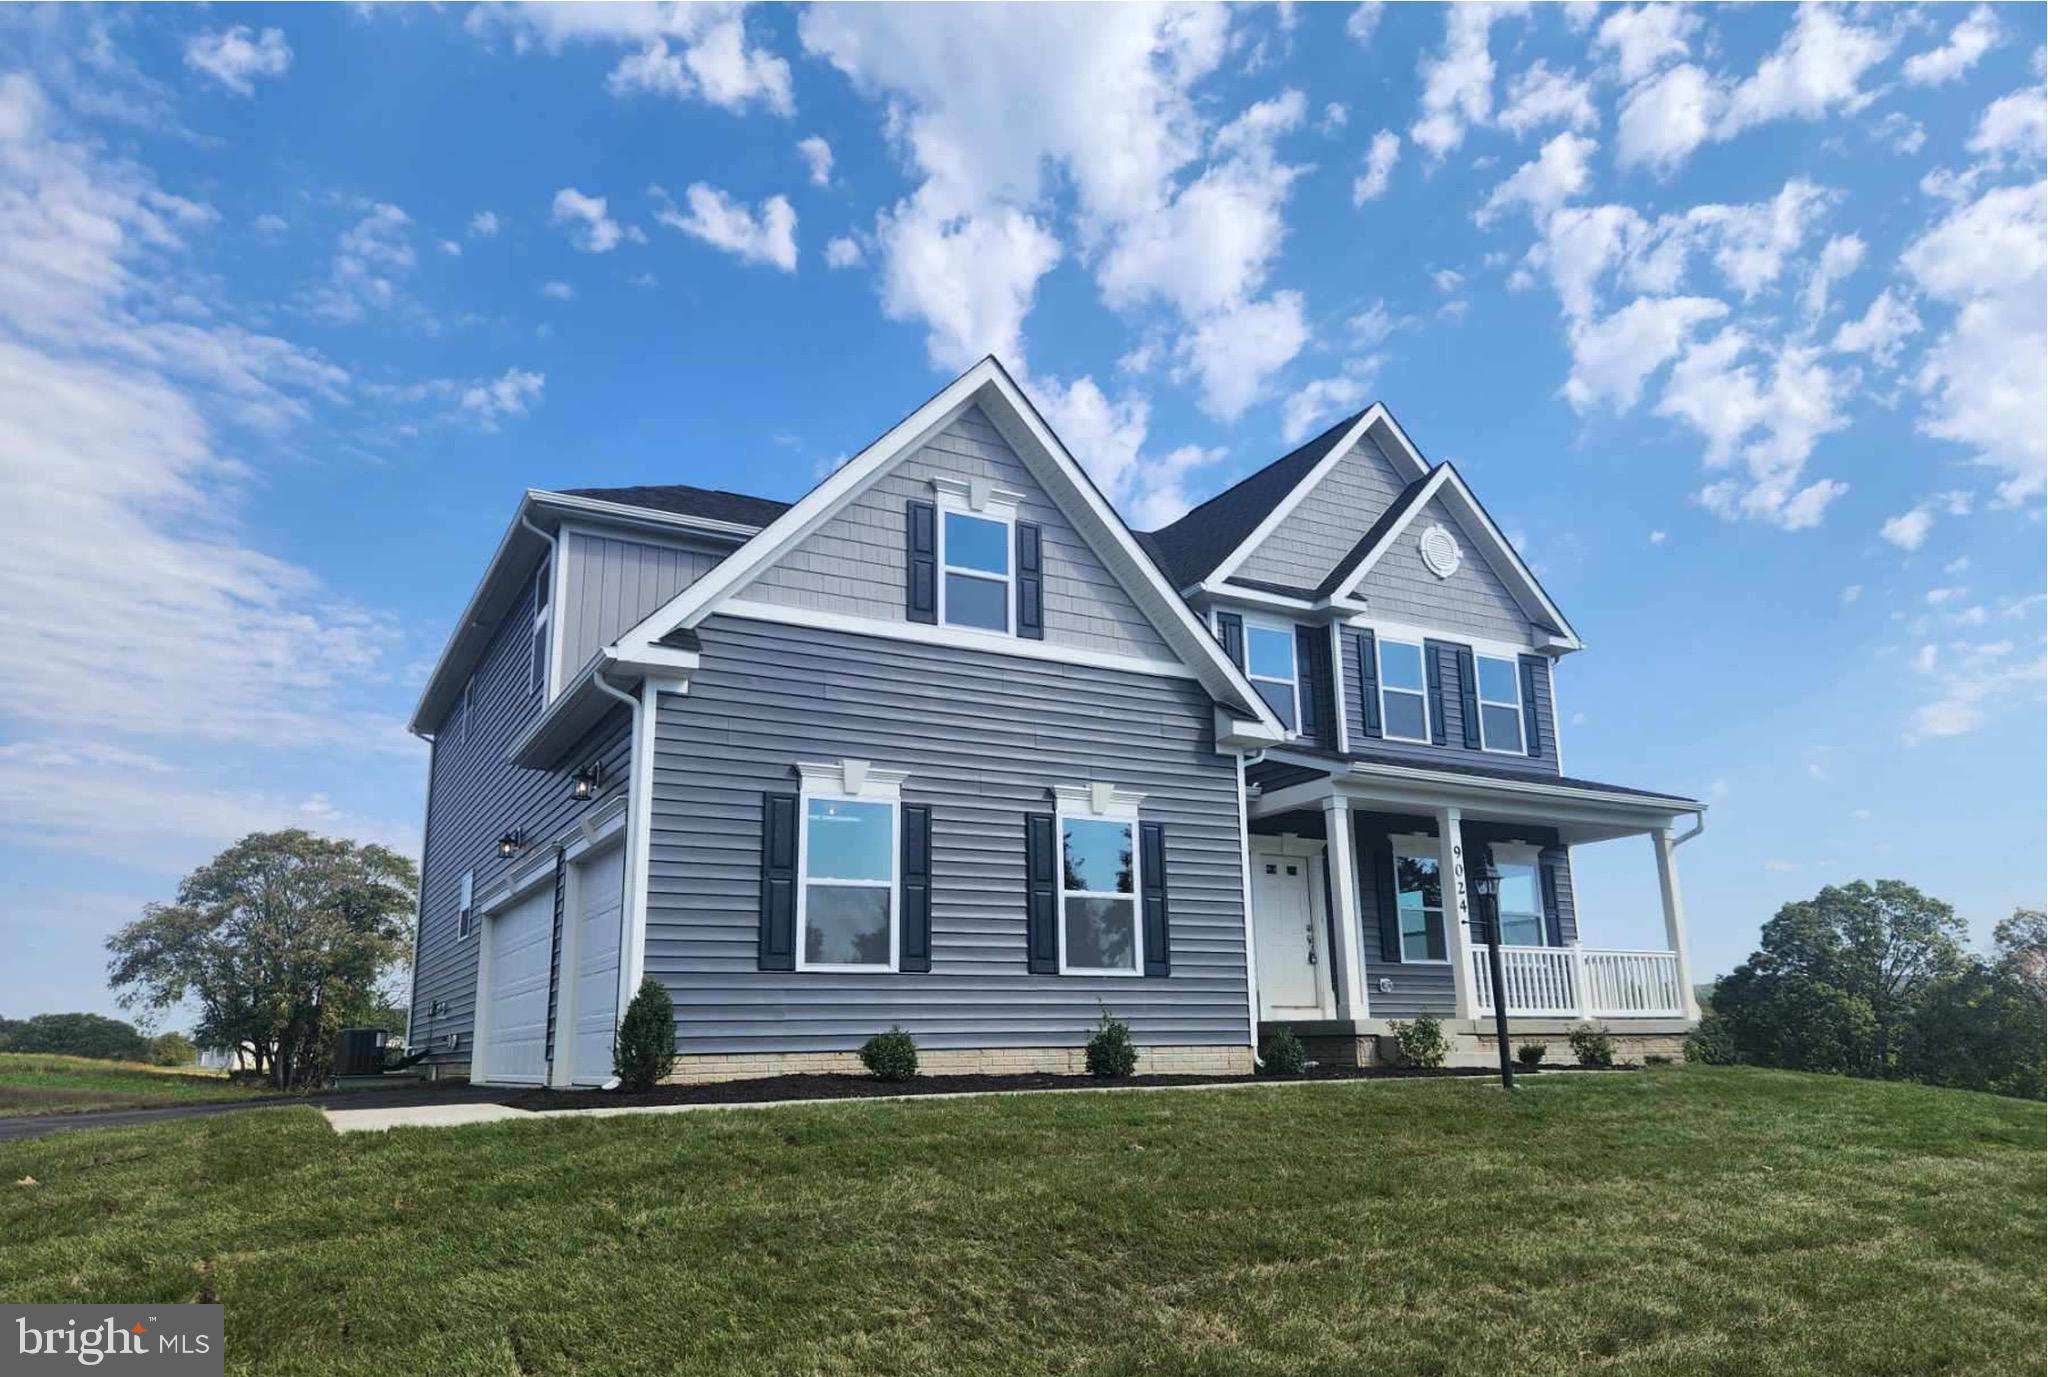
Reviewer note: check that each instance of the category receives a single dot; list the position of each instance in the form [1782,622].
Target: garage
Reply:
[514,988]
[597,894]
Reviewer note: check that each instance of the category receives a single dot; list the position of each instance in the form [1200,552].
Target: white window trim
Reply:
[1521,853]
[982,500]
[851,781]
[1479,697]
[1421,849]
[1379,651]
[1293,658]
[1099,803]
[465,906]
[543,631]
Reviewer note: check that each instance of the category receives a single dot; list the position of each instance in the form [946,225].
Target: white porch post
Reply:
[1457,933]
[1341,850]
[1674,918]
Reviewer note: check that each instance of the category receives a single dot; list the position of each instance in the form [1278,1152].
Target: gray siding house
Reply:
[944,745]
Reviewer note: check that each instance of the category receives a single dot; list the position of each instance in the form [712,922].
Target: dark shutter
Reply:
[1546,871]
[920,561]
[1041,896]
[1369,683]
[915,950]
[1230,627]
[1030,582]
[1386,901]
[1468,696]
[1312,669]
[1433,652]
[778,882]
[1531,738]
[1152,870]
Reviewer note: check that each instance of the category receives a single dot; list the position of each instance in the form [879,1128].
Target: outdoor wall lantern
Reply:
[511,842]
[588,781]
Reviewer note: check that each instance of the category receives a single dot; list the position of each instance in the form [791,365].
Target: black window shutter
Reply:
[778,882]
[1532,740]
[1433,652]
[1152,868]
[1041,896]
[1468,696]
[920,561]
[1546,870]
[1030,582]
[915,950]
[1387,902]
[1369,682]
[1312,673]
[1231,627]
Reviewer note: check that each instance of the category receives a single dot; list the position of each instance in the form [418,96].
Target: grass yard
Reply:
[1695,1220]
[33,1083]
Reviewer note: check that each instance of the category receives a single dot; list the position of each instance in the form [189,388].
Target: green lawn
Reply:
[33,1083]
[1694,1220]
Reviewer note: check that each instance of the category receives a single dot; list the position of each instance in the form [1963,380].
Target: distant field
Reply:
[33,1083]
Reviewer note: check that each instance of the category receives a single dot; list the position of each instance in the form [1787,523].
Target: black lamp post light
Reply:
[1487,885]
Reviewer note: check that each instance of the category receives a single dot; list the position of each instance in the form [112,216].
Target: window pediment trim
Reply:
[1098,800]
[852,778]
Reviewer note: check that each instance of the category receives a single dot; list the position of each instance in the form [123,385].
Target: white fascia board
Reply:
[624,514]
[462,648]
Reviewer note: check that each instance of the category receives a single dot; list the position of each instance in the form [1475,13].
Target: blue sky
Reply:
[1733,317]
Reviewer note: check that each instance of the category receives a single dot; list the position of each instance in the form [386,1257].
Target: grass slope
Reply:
[35,1083]
[1688,1221]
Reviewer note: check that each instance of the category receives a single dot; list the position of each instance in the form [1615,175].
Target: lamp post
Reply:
[1487,883]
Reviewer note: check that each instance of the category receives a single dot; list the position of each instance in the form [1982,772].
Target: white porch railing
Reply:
[1578,982]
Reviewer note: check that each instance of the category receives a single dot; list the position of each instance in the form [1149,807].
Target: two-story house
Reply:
[944,745]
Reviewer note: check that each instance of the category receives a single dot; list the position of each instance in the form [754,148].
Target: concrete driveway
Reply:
[398,1097]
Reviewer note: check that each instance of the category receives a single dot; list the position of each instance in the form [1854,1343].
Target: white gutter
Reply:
[631,896]
[1699,825]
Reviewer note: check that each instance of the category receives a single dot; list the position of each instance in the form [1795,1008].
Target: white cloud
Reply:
[1967,42]
[1234,351]
[271,224]
[1380,159]
[1457,83]
[1908,530]
[484,225]
[1664,119]
[1971,680]
[817,155]
[1842,255]
[1901,133]
[450,249]
[1881,331]
[1361,22]
[1335,116]
[2011,128]
[1765,423]
[510,394]
[591,229]
[1541,96]
[1645,37]
[768,236]
[841,252]
[1557,174]
[1613,357]
[1108,438]
[683,50]
[236,56]
[1658,537]
[1853,593]
[1753,242]
[369,260]
[557,291]
[970,279]
[1318,403]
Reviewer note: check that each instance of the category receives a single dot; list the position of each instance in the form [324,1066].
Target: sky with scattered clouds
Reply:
[1735,318]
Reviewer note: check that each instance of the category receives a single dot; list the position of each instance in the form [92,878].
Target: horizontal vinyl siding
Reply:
[984,737]
[1473,600]
[475,798]
[1453,751]
[612,583]
[853,564]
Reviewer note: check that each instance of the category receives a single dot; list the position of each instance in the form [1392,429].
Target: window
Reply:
[1521,897]
[542,585]
[974,571]
[1099,896]
[846,905]
[1404,707]
[465,905]
[1269,663]
[1418,897]
[1500,705]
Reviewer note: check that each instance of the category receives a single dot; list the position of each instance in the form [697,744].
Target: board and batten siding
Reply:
[1453,751]
[984,736]
[854,563]
[1473,600]
[1330,519]
[475,796]
[611,583]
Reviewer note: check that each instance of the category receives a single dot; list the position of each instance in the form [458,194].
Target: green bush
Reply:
[1111,1051]
[1283,1055]
[891,1056]
[172,1049]
[1592,1044]
[1531,1054]
[645,1050]
[1420,1041]
[1711,1043]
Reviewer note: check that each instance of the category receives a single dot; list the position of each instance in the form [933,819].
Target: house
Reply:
[944,745]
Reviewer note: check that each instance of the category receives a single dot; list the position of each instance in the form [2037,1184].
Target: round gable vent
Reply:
[1440,552]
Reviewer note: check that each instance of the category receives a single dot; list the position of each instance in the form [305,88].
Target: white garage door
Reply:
[600,887]
[516,1002]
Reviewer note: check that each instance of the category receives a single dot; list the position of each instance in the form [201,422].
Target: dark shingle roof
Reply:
[1459,767]
[711,503]
[1396,512]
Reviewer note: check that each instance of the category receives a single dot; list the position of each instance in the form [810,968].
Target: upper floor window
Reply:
[1404,706]
[1270,664]
[846,904]
[974,569]
[1099,932]
[1500,705]
[542,613]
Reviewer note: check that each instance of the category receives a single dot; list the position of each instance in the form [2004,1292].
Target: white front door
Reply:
[1286,922]
[515,995]
[600,899]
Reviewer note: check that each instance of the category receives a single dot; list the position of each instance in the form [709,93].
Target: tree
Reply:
[74,1035]
[1838,976]
[172,1049]
[1980,1028]
[281,940]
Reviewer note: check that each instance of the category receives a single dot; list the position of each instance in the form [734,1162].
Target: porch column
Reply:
[1457,920]
[1341,848]
[1674,918]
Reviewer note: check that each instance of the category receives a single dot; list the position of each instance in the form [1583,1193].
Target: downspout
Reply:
[629,891]
[1699,825]
[1251,961]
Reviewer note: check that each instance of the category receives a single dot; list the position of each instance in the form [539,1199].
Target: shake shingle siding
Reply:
[1330,518]
[984,738]
[1454,750]
[611,583]
[1473,600]
[854,564]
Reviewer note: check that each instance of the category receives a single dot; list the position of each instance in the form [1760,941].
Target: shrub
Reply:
[645,1050]
[891,1056]
[1420,1041]
[1592,1044]
[1711,1043]
[1531,1054]
[172,1049]
[1111,1051]
[1283,1054]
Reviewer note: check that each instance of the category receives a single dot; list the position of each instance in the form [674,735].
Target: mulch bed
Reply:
[850,1087]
